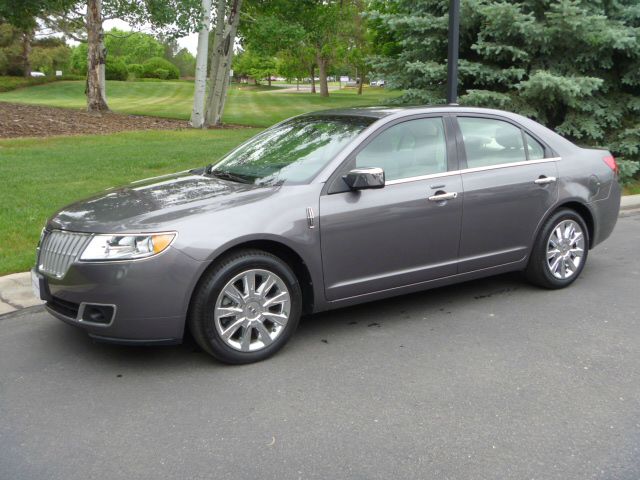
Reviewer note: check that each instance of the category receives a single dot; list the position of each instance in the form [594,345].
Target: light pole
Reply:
[454,47]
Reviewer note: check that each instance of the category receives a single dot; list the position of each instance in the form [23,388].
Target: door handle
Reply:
[443,196]
[544,180]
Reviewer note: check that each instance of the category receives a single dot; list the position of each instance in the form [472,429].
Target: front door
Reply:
[510,183]
[404,233]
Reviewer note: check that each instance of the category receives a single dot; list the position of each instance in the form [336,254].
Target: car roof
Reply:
[378,112]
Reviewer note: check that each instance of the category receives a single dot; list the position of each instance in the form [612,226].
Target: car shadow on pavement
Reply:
[437,304]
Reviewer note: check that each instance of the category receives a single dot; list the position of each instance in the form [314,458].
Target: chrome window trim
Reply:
[472,170]
[422,177]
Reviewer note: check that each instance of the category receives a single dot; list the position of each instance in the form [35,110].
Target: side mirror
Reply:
[363,178]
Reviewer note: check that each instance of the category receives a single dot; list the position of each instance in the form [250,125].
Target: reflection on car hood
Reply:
[156,202]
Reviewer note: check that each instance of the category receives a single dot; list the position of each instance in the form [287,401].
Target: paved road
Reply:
[491,379]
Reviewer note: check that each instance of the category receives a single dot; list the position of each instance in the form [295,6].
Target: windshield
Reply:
[292,152]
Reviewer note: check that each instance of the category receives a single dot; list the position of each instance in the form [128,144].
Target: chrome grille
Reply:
[58,250]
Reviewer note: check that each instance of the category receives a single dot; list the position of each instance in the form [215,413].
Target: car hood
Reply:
[159,202]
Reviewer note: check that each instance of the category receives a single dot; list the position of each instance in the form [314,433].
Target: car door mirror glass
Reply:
[364,178]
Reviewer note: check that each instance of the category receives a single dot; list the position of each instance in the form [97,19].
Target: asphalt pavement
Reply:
[491,379]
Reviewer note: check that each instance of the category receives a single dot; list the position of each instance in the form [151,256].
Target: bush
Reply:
[11,83]
[161,73]
[158,66]
[116,69]
[136,70]
[627,170]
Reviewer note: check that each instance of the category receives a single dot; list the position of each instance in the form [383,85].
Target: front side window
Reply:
[292,152]
[491,142]
[408,149]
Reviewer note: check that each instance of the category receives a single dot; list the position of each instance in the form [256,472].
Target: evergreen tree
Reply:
[573,65]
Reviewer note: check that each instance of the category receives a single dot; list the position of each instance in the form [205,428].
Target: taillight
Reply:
[611,163]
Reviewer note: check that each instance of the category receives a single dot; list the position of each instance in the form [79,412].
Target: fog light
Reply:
[97,313]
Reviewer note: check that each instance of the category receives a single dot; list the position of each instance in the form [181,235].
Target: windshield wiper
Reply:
[229,176]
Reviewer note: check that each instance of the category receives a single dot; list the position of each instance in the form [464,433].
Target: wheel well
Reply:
[287,255]
[586,215]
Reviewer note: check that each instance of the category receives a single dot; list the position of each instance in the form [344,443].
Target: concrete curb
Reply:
[630,202]
[16,292]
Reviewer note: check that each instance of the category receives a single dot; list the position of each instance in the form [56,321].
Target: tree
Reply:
[316,27]
[254,65]
[293,65]
[571,64]
[11,50]
[198,111]
[49,55]
[83,21]
[185,61]
[23,14]
[132,47]
[227,20]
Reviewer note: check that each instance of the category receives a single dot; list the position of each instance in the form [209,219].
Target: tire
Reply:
[551,267]
[246,307]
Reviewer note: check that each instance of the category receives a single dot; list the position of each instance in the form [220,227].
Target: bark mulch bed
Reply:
[19,120]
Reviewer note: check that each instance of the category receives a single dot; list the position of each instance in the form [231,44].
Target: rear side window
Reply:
[408,149]
[534,148]
[491,142]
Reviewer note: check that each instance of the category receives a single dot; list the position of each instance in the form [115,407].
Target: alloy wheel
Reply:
[252,310]
[565,249]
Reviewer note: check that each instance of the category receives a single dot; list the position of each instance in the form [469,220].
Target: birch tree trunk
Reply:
[215,60]
[197,114]
[221,61]
[96,57]
[322,71]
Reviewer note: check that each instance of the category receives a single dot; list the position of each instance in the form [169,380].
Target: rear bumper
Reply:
[605,214]
[144,302]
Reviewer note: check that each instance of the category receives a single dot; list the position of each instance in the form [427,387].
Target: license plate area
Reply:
[39,286]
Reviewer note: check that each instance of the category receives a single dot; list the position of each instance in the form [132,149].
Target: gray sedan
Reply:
[323,211]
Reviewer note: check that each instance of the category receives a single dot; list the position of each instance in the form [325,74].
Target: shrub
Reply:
[627,170]
[11,83]
[157,66]
[136,70]
[116,69]
[162,73]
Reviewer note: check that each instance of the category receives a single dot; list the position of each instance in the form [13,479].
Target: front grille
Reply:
[63,307]
[58,250]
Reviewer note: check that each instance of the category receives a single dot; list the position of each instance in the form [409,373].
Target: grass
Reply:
[632,188]
[246,105]
[41,175]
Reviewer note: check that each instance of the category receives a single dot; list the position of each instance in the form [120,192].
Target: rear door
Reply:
[374,240]
[509,180]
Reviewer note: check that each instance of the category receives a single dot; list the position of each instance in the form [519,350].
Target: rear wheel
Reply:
[246,307]
[560,251]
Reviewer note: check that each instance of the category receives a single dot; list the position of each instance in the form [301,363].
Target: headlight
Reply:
[126,247]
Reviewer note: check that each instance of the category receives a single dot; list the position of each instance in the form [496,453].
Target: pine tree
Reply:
[573,65]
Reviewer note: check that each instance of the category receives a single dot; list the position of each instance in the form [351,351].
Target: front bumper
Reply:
[144,301]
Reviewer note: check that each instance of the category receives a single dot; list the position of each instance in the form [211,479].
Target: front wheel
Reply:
[560,251]
[246,307]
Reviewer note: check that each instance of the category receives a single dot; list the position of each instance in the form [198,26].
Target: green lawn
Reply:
[632,188]
[41,175]
[246,105]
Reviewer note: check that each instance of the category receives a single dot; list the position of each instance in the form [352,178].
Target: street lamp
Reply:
[454,47]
